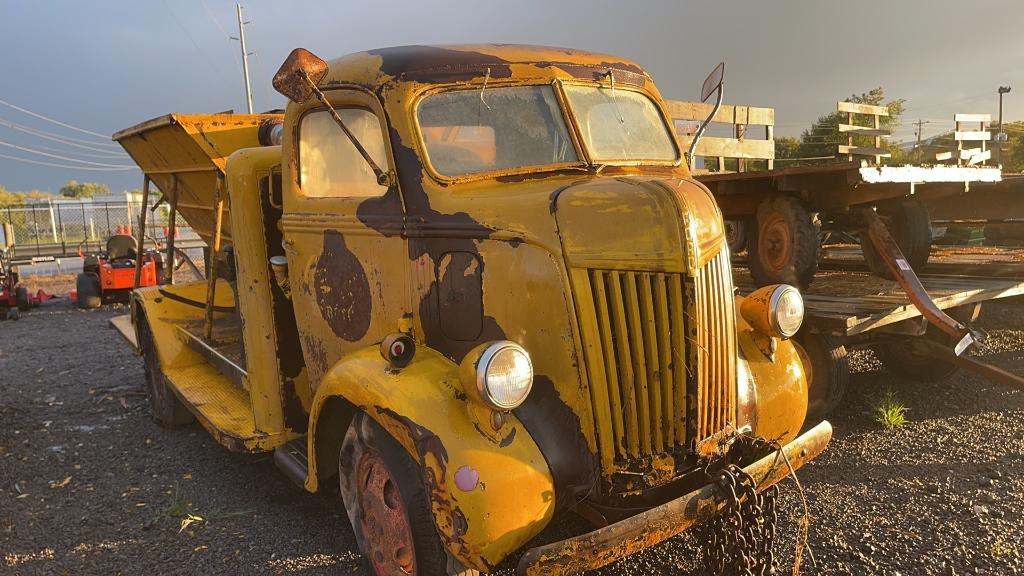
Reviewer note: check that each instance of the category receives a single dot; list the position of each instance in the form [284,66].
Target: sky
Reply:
[104,65]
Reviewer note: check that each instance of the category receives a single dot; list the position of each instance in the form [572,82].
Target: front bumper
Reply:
[606,545]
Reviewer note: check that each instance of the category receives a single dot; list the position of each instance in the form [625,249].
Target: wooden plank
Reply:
[862,108]
[711,146]
[973,135]
[864,151]
[972,117]
[979,157]
[944,156]
[864,130]
[727,114]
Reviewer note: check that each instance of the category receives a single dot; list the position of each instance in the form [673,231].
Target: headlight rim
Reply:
[773,310]
[484,363]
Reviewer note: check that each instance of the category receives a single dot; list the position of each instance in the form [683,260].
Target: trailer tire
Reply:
[784,244]
[910,226]
[21,296]
[384,495]
[736,235]
[168,410]
[827,365]
[89,294]
[904,359]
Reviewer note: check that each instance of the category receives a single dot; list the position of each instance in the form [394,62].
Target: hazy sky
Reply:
[103,65]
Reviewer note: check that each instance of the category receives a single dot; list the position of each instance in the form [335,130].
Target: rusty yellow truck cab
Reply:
[475,283]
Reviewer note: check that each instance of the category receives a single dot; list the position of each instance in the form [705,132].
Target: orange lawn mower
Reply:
[109,275]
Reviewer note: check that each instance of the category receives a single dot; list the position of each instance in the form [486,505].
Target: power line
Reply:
[184,30]
[86,154]
[58,122]
[54,165]
[47,136]
[214,19]
[59,157]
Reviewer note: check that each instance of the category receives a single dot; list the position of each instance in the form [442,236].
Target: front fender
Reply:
[504,494]
[780,382]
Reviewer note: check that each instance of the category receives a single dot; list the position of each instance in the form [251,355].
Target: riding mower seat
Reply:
[122,246]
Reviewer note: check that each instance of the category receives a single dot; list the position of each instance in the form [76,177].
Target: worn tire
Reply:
[909,224]
[736,235]
[367,444]
[89,294]
[21,296]
[904,359]
[168,410]
[783,244]
[827,365]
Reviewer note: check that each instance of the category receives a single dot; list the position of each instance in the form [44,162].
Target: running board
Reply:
[293,460]
[222,363]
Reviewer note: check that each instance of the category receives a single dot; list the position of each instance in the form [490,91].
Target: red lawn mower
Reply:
[15,298]
[110,275]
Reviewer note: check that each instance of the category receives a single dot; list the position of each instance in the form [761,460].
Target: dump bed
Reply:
[192,149]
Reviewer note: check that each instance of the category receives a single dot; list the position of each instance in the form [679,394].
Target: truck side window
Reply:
[329,165]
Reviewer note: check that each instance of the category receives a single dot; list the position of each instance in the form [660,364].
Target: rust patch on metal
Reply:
[342,289]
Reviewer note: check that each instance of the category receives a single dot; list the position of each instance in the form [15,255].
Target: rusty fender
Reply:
[489,485]
[606,545]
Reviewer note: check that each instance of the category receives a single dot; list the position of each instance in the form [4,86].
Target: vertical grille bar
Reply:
[650,343]
[667,333]
[639,356]
[716,340]
[620,334]
[680,343]
[597,283]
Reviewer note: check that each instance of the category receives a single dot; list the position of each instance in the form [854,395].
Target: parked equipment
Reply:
[14,298]
[453,282]
[110,275]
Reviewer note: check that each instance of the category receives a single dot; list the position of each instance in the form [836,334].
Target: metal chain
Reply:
[742,535]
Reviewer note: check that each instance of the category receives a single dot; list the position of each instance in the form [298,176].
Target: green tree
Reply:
[1013,148]
[823,137]
[84,190]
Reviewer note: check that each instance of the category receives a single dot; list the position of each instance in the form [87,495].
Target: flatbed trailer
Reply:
[779,214]
[848,310]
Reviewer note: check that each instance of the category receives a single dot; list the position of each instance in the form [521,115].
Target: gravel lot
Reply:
[89,485]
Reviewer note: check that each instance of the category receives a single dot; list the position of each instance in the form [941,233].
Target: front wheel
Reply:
[89,293]
[827,367]
[783,243]
[386,502]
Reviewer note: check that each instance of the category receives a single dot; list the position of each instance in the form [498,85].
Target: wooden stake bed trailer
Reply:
[778,213]
[847,310]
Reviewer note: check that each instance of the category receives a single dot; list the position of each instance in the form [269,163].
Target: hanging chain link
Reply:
[742,535]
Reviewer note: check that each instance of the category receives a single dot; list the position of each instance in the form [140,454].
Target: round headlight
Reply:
[787,310]
[504,375]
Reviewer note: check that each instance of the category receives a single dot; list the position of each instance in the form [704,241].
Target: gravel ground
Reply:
[89,485]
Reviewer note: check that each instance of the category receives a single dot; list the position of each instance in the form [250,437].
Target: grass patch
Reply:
[890,412]
[191,518]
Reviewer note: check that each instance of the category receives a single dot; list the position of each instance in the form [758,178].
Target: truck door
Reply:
[347,260]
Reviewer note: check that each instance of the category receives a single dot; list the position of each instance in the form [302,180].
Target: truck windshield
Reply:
[620,125]
[497,129]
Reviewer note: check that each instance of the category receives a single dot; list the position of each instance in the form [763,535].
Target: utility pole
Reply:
[245,57]
[1000,136]
[919,123]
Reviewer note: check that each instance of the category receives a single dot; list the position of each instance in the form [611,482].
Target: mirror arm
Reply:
[704,125]
[383,178]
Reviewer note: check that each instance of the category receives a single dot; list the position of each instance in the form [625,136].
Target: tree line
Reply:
[72,189]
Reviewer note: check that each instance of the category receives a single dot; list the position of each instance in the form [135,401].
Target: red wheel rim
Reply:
[385,523]
[775,243]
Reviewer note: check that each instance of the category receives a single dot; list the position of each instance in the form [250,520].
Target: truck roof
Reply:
[452,63]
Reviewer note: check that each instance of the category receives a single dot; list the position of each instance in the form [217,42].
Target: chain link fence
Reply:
[52,231]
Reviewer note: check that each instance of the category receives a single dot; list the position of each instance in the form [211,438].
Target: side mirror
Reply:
[301,71]
[712,83]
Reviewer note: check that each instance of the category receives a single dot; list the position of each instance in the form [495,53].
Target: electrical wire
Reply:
[54,165]
[59,157]
[215,22]
[45,135]
[57,122]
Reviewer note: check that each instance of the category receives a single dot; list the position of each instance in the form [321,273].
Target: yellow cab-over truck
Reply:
[475,287]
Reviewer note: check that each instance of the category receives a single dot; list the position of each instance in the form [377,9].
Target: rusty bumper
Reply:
[606,545]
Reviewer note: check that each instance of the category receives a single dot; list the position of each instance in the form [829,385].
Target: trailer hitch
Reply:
[904,274]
